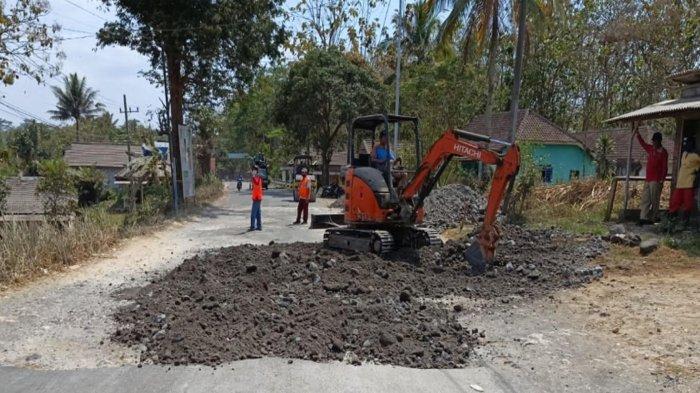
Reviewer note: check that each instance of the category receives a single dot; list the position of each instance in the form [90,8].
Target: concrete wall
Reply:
[564,159]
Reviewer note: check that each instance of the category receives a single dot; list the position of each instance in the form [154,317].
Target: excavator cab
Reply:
[374,192]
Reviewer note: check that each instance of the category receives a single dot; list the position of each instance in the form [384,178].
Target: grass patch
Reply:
[568,217]
[690,244]
[209,189]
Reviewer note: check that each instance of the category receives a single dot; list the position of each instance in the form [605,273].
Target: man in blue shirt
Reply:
[382,157]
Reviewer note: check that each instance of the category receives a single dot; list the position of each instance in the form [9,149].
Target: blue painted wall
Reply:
[564,159]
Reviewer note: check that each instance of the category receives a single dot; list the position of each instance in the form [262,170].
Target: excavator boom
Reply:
[465,144]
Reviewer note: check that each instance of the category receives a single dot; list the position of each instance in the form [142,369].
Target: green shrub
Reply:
[57,188]
[89,183]
[208,188]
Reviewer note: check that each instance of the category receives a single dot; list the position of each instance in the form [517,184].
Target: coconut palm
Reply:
[481,20]
[420,29]
[75,101]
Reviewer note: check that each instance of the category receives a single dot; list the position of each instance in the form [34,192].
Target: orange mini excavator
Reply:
[379,218]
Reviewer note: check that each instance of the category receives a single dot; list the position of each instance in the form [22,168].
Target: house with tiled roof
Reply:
[560,155]
[23,203]
[107,158]
[620,138]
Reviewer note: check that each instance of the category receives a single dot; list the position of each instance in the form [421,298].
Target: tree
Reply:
[25,39]
[4,192]
[209,48]
[57,188]
[323,92]
[482,19]
[75,101]
[208,126]
[603,148]
[341,24]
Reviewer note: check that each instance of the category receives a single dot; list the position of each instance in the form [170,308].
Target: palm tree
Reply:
[420,29]
[75,101]
[482,19]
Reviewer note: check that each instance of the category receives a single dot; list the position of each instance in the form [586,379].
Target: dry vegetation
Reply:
[30,249]
[578,206]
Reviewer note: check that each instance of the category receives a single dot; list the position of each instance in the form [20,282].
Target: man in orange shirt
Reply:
[257,194]
[304,196]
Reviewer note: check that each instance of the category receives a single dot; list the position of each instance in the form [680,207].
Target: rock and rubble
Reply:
[453,204]
[303,301]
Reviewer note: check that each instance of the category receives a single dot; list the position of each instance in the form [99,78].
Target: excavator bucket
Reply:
[481,252]
[476,258]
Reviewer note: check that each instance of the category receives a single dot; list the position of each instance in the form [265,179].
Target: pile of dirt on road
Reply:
[452,205]
[303,301]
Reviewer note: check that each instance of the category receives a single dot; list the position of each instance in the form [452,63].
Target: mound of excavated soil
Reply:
[453,204]
[303,301]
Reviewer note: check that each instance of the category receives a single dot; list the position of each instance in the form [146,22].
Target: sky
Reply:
[112,71]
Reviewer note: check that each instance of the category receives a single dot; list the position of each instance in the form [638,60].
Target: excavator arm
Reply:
[464,144]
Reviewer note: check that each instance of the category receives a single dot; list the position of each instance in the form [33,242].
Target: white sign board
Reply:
[187,161]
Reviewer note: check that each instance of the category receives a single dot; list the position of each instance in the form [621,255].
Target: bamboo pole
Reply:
[627,175]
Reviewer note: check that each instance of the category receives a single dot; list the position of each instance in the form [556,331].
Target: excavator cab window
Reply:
[365,131]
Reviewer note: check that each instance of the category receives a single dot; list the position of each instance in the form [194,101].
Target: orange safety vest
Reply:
[257,188]
[304,189]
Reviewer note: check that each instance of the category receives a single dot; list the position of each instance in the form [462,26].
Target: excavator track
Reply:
[365,240]
[380,241]
[424,237]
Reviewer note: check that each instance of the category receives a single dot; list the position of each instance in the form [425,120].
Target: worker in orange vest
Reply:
[304,196]
[255,214]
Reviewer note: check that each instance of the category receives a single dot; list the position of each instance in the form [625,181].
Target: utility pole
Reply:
[126,112]
[399,38]
[173,167]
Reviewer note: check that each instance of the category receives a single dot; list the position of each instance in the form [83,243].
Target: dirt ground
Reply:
[650,307]
[304,301]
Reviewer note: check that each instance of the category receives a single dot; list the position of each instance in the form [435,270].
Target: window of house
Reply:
[547,173]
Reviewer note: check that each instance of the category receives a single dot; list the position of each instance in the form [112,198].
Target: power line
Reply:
[25,113]
[86,10]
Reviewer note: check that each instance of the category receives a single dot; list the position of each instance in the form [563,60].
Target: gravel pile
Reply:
[453,204]
[303,301]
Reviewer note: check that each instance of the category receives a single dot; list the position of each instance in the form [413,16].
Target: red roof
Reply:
[531,127]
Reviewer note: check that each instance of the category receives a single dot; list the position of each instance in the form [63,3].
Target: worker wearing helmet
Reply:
[304,197]
[257,195]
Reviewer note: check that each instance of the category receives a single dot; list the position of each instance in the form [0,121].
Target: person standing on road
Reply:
[304,197]
[657,168]
[683,198]
[257,196]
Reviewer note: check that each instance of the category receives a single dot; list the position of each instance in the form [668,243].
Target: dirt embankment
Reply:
[303,301]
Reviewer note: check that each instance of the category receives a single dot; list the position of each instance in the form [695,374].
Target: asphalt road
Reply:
[54,332]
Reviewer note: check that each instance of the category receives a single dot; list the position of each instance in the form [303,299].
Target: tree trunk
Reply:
[491,67]
[177,92]
[77,129]
[325,163]
[518,69]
